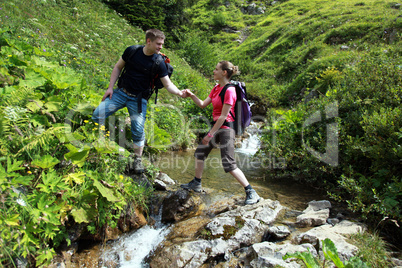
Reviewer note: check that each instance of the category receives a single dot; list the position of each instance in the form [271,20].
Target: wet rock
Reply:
[180,205]
[227,232]
[165,178]
[268,254]
[133,219]
[186,230]
[112,233]
[315,214]
[336,234]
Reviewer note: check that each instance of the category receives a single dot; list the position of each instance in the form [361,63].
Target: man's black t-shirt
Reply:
[137,76]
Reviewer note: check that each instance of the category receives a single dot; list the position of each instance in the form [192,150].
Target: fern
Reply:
[41,140]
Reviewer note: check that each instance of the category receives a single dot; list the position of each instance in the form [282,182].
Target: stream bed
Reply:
[131,249]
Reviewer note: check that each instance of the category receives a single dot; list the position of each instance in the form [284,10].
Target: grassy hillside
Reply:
[283,50]
[58,168]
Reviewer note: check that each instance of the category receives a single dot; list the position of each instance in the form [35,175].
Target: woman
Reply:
[220,133]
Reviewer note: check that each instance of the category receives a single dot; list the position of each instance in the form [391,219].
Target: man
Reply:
[134,89]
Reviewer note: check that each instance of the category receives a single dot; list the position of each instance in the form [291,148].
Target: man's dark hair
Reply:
[154,34]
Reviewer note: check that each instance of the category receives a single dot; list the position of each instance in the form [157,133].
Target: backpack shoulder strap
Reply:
[134,49]
[222,94]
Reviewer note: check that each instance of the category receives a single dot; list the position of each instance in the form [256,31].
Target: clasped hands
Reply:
[185,93]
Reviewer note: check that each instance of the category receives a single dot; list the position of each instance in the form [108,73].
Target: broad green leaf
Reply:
[106,192]
[32,79]
[83,108]
[14,166]
[78,178]
[77,156]
[46,161]
[80,215]
[42,52]
[35,105]
[331,253]
[39,120]
[53,106]
[306,257]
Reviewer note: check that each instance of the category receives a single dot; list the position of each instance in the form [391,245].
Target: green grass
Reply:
[295,40]
[58,55]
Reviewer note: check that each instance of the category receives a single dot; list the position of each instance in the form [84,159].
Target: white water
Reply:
[250,145]
[129,251]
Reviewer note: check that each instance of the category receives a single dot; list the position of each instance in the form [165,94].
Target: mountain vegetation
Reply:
[325,76]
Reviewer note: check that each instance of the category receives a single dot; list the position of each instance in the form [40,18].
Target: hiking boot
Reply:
[135,165]
[192,185]
[251,197]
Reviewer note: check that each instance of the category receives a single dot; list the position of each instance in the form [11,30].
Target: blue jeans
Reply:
[120,100]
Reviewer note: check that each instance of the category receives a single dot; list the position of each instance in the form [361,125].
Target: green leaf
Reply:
[77,156]
[78,178]
[32,79]
[46,161]
[39,120]
[83,108]
[106,192]
[35,105]
[14,166]
[13,220]
[54,103]
[306,257]
[42,52]
[80,215]
[331,253]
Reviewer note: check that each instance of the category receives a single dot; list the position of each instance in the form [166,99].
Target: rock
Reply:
[315,214]
[186,230]
[278,232]
[318,205]
[268,254]
[165,178]
[336,234]
[133,219]
[253,9]
[159,185]
[227,232]
[180,205]
[265,211]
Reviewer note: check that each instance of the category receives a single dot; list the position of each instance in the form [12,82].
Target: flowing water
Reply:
[131,249]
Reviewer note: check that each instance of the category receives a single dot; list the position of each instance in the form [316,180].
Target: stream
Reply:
[131,249]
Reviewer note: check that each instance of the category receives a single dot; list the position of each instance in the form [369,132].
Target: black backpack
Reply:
[156,83]
[242,107]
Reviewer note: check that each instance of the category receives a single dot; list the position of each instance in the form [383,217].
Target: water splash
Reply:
[250,145]
[130,250]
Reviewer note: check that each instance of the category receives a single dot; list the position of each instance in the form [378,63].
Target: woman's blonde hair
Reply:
[229,68]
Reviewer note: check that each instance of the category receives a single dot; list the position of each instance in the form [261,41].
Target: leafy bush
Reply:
[361,113]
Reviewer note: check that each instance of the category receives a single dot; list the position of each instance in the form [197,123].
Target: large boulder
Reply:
[180,205]
[336,234]
[268,254]
[315,214]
